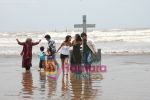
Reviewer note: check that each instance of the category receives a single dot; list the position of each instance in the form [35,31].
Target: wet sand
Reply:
[127,78]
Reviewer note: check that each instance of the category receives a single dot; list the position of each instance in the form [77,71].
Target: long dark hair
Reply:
[78,38]
[67,38]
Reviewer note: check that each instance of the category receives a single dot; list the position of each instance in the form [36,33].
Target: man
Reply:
[52,46]
[51,43]
[88,49]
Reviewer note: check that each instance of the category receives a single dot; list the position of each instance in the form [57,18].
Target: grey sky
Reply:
[45,15]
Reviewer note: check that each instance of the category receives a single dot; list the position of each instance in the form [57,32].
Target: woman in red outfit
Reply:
[27,52]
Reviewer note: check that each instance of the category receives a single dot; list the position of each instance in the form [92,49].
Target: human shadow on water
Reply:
[27,84]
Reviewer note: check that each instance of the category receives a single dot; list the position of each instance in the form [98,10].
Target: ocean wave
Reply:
[97,36]
[9,46]
[36,52]
[126,52]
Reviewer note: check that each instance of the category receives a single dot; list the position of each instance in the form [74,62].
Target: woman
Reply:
[64,52]
[27,52]
[76,54]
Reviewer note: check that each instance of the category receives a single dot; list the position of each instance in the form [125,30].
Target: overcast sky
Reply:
[45,15]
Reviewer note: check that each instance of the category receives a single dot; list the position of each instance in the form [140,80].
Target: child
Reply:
[27,52]
[42,58]
[50,60]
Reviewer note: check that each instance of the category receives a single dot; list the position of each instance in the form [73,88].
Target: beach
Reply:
[127,78]
[74,50]
[126,54]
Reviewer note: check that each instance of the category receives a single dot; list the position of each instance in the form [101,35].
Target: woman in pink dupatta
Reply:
[27,52]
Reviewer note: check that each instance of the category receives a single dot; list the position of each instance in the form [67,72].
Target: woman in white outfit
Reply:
[64,51]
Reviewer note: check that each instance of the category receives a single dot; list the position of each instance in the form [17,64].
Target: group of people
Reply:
[48,60]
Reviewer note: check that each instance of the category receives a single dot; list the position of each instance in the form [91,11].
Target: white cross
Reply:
[84,25]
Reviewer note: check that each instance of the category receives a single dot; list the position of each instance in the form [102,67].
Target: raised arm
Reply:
[72,43]
[20,43]
[60,47]
[36,43]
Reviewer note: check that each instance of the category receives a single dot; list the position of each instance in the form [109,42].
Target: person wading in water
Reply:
[27,52]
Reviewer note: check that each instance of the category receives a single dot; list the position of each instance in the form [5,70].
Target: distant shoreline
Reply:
[80,30]
[36,55]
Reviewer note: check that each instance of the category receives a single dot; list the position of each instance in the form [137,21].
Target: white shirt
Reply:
[92,46]
[65,50]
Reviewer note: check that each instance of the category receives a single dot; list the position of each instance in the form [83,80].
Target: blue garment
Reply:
[87,54]
[42,56]
[50,57]
[87,58]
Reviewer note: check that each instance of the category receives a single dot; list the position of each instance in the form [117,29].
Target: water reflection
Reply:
[27,84]
[66,87]
[42,82]
[84,87]
[51,87]
[76,87]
